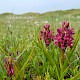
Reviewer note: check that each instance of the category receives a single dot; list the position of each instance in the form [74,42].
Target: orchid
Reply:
[64,38]
[46,34]
[9,66]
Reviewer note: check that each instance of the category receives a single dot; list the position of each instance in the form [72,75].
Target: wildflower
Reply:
[46,21]
[64,38]
[9,65]
[46,34]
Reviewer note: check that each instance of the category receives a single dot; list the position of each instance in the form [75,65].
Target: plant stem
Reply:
[61,57]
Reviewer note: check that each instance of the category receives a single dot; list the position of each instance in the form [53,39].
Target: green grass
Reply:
[19,34]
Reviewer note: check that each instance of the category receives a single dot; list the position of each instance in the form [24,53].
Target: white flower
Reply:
[46,21]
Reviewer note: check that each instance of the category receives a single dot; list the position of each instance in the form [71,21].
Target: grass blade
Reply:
[25,64]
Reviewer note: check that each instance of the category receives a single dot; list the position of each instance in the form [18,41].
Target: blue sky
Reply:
[41,6]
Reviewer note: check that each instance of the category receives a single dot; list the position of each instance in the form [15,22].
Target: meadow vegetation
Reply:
[28,57]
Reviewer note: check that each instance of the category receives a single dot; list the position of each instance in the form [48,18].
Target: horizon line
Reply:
[39,12]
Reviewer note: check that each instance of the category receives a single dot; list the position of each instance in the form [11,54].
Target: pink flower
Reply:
[9,66]
[10,70]
[46,34]
[64,38]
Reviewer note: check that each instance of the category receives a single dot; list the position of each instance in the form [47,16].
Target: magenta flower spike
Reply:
[9,66]
[64,38]
[46,34]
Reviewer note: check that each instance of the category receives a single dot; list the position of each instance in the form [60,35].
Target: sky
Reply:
[39,6]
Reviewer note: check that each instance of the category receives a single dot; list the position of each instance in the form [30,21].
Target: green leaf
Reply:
[64,72]
[49,57]
[3,71]
[1,76]
[17,62]
[18,57]
[69,55]
[25,64]
[76,76]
